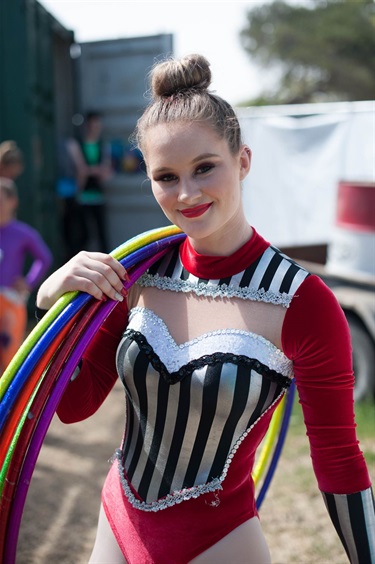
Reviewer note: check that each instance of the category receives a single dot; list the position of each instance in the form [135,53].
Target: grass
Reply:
[294,518]
[365,417]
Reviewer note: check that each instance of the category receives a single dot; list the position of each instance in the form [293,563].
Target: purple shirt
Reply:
[18,241]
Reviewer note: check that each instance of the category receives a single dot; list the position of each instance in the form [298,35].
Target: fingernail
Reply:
[126,276]
[124,292]
[119,297]
[103,298]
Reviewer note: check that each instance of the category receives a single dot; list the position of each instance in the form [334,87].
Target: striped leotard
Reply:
[211,390]
[202,380]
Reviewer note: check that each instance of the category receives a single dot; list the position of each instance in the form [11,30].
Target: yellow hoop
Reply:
[268,442]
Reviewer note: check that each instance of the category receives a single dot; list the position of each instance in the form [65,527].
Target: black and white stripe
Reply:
[184,439]
[353,516]
[273,278]
[211,391]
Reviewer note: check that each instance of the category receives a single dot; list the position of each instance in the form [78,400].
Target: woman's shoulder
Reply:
[24,229]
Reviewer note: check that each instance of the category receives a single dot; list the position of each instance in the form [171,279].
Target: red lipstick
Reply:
[196,211]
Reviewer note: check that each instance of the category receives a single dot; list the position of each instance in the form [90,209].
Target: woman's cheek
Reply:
[159,194]
[162,199]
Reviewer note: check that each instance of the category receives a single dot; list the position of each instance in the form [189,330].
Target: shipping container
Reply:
[48,83]
[36,101]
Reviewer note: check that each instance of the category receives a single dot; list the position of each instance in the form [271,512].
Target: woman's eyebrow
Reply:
[195,160]
[204,156]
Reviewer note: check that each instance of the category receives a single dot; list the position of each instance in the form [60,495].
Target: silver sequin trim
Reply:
[236,341]
[187,493]
[219,291]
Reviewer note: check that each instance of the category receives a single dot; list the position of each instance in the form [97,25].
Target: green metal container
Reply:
[36,105]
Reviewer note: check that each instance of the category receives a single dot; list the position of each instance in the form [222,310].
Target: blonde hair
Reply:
[179,91]
[10,153]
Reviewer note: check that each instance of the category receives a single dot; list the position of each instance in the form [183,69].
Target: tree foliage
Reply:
[324,50]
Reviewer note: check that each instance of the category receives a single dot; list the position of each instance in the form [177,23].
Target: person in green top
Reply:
[92,196]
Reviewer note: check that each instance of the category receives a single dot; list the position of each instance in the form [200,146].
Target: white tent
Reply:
[300,153]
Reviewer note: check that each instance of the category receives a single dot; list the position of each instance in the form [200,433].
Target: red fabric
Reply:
[216,267]
[178,534]
[316,338]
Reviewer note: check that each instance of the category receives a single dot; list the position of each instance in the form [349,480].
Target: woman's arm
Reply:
[82,170]
[316,337]
[42,258]
[101,276]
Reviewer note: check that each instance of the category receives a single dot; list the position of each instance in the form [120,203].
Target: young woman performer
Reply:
[206,343]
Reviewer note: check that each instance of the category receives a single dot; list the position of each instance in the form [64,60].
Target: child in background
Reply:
[17,241]
[11,160]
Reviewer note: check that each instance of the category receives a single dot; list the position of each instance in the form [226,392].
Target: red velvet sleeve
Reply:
[86,393]
[316,338]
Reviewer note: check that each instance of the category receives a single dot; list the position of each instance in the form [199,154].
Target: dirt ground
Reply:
[60,516]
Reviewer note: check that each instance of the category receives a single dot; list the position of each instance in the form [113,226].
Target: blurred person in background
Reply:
[71,177]
[11,160]
[97,171]
[18,241]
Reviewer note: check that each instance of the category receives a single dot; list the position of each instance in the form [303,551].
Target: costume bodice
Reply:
[191,405]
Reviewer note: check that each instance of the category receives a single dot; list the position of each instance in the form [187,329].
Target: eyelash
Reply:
[202,169]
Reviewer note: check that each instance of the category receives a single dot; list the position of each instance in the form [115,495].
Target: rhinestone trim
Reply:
[235,341]
[219,291]
[205,360]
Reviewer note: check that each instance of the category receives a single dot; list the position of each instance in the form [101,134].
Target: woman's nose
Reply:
[188,191]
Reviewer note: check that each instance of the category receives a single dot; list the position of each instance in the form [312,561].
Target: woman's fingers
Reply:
[98,274]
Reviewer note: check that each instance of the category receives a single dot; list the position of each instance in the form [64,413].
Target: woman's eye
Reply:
[166,178]
[202,169]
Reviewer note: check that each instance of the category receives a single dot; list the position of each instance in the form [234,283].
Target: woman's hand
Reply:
[98,274]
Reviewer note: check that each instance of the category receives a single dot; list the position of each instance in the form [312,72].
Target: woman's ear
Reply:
[245,161]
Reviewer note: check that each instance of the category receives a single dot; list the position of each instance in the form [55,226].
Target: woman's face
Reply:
[197,182]
[8,206]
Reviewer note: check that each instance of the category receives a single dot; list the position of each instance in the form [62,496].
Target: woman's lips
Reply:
[196,211]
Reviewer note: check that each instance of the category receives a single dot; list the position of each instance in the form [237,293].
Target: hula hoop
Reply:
[35,380]
[268,442]
[157,236]
[56,329]
[279,445]
[43,422]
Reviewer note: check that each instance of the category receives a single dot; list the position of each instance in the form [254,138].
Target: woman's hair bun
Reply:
[176,75]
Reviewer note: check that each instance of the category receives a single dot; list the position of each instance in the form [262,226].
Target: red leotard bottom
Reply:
[181,532]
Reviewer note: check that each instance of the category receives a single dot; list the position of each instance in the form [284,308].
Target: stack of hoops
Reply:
[34,382]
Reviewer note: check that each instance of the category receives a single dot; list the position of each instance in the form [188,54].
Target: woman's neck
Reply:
[225,245]
[4,221]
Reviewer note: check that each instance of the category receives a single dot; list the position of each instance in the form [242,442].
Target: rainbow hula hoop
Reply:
[35,380]
[65,368]
[12,384]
